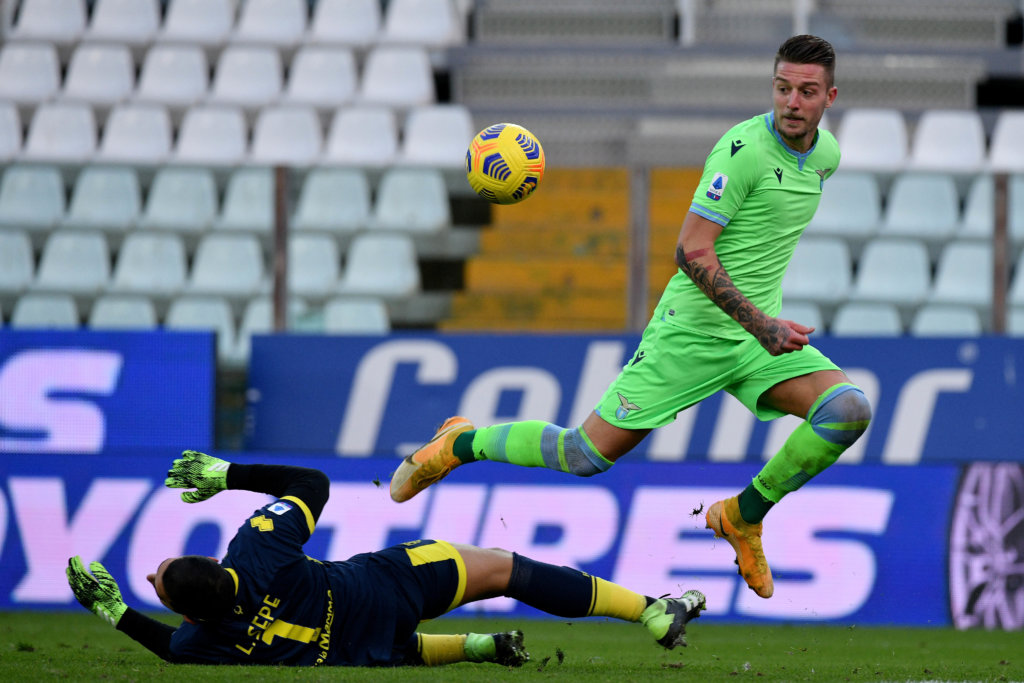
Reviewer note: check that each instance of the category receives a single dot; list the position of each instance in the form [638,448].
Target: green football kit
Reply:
[763,194]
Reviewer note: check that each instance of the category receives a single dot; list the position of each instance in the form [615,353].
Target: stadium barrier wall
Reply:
[863,545]
[934,400]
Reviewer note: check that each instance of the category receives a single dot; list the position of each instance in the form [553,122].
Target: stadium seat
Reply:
[1015,322]
[850,207]
[873,140]
[922,206]
[105,198]
[74,262]
[1015,297]
[362,136]
[114,312]
[205,313]
[819,271]
[805,313]
[211,136]
[397,77]
[100,76]
[61,132]
[963,276]
[248,202]
[10,132]
[413,200]
[247,76]
[1006,151]
[1015,208]
[31,199]
[174,76]
[137,134]
[353,23]
[45,311]
[288,135]
[133,23]
[151,264]
[322,77]
[280,23]
[182,200]
[978,218]
[258,318]
[437,135]
[335,200]
[946,321]
[427,23]
[60,22]
[381,265]
[950,141]
[856,319]
[17,266]
[313,265]
[206,23]
[227,265]
[895,271]
[356,315]
[29,75]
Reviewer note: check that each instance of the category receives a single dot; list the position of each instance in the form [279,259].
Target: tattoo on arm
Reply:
[716,284]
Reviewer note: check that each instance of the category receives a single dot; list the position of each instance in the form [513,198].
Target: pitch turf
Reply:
[79,647]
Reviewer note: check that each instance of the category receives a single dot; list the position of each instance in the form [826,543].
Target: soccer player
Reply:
[266,602]
[716,326]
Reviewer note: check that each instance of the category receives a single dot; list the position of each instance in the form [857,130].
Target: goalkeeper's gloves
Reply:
[98,591]
[206,474]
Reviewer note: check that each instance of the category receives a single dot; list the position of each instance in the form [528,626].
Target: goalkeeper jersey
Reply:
[764,194]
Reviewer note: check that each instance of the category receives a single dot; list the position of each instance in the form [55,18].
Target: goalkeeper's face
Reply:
[157,579]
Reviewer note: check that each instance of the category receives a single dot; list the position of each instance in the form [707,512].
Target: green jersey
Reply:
[763,194]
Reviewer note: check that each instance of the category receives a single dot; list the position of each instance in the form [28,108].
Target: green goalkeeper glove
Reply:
[98,591]
[206,474]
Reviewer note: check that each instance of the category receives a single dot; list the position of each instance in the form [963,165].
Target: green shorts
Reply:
[674,368]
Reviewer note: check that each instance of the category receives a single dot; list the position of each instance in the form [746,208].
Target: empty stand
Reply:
[335,200]
[978,218]
[31,199]
[397,76]
[206,23]
[873,140]
[946,321]
[413,200]
[105,198]
[323,77]
[1006,151]
[805,313]
[247,76]
[381,265]
[313,265]
[61,132]
[287,135]
[114,312]
[60,22]
[428,23]
[819,271]
[174,76]
[258,318]
[964,276]
[133,23]
[952,141]
[17,266]
[437,136]
[138,134]
[279,23]
[356,315]
[211,136]
[207,314]
[227,265]
[362,136]
[857,319]
[182,200]
[10,132]
[45,311]
[29,75]
[248,202]
[74,262]
[150,264]
[894,271]
[850,207]
[923,206]
[99,75]
[354,23]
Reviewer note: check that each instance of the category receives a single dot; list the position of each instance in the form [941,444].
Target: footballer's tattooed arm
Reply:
[707,272]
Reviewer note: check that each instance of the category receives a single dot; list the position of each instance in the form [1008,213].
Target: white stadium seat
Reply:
[45,311]
[248,202]
[115,312]
[354,23]
[1006,151]
[126,22]
[428,23]
[175,76]
[923,206]
[412,200]
[206,23]
[61,132]
[356,315]
[29,75]
[17,267]
[819,271]
[313,265]
[31,199]
[212,136]
[105,198]
[10,132]
[60,22]
[335,200]
[281,23]
[181,200]
[895,271]
[963,276]
[150,264]
[74,262]
[227,265]
[137,134]
[381,265]
[248,76]
[99,75]
[850,207]
[437,135]
[856,319]
[873,140]
[952,141]
[397,77]
[323,77]
[362,136]
[946,321]
[288,135]
[205,313]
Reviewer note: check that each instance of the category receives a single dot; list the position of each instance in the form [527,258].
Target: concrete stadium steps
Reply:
[560,260]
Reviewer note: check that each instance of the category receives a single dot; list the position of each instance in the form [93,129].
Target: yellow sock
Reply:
[612,600]
[441,649]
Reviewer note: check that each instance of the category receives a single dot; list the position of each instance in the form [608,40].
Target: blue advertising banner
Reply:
[933,399]
[864,545]
[87,392]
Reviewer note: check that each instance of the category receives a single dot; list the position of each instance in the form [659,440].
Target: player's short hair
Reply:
[807,49]
[198,587]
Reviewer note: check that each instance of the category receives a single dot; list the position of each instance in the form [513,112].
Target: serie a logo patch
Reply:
[717,186]
[280,507]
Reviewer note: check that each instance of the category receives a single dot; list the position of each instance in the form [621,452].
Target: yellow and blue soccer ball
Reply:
[504,163]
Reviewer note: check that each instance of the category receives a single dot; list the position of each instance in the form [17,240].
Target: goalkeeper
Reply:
[266,602]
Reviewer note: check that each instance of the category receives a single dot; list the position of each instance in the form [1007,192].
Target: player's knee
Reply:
[843,416]
[581,458]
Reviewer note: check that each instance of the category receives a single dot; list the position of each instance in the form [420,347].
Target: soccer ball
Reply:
[504,163]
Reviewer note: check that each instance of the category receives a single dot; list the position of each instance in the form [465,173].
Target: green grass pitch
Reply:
[79,647]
